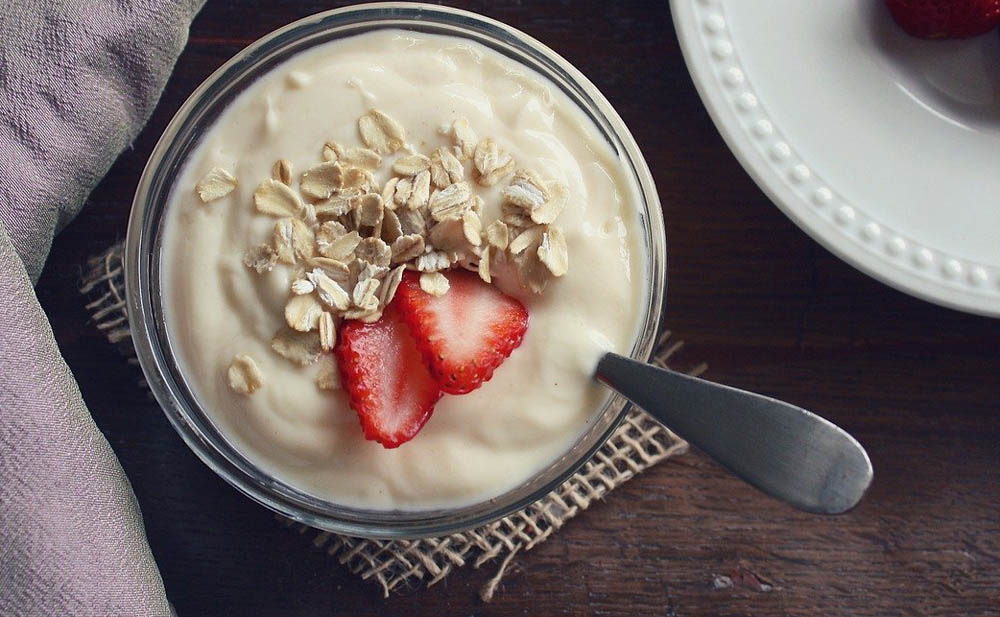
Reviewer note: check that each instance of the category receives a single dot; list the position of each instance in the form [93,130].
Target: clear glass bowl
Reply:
[144,248]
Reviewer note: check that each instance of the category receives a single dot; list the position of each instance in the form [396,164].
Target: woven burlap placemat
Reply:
[637,444]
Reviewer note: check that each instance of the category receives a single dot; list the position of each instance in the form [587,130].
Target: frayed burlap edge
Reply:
[637,444]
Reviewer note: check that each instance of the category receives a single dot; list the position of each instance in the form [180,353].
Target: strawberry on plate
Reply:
[945,19]
[386,379]
[464,334]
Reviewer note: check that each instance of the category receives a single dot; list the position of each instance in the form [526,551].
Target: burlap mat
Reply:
[639,443]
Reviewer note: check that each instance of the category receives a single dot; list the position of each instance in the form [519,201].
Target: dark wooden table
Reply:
[764,305]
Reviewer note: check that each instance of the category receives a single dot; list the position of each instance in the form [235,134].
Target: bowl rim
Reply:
[141,267]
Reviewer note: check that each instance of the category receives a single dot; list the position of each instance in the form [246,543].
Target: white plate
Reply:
[884,148]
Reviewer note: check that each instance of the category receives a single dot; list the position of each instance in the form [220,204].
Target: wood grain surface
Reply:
[753,296]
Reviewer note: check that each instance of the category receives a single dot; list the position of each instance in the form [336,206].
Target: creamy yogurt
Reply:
[475,446]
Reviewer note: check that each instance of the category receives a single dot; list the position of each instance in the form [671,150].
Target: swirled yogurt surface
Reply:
[475,446]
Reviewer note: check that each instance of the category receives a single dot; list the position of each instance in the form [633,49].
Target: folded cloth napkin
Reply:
[78,79]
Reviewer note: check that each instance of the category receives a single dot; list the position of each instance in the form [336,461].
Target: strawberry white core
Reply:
[463,319]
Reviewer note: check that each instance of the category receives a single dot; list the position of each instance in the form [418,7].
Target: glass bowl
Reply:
[144,249]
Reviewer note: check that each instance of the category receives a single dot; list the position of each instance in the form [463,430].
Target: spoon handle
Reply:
[785,451]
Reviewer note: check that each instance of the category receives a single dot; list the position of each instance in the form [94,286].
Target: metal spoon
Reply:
[785,451]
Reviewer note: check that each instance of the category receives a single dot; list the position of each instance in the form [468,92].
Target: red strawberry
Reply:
[945,19]
[385,377]
[464,334]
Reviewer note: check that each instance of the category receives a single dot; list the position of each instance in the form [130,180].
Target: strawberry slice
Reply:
[942,19]
[466,333]
[386,379]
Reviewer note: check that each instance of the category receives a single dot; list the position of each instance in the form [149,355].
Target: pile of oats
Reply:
[350,239]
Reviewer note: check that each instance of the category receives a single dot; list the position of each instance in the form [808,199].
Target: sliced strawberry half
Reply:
[386,378]
[464,334]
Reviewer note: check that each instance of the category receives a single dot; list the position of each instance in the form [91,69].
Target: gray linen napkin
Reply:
[78,79]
